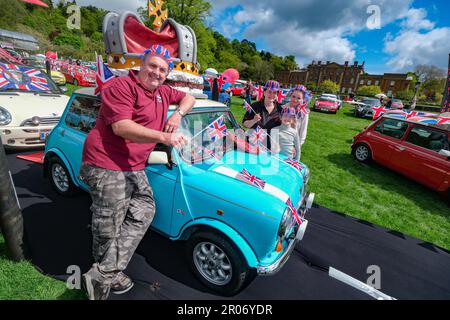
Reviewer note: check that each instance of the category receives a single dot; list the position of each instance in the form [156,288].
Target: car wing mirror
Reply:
[445,153]
[158,157]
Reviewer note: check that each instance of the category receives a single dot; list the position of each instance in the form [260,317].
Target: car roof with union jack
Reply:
[419,120]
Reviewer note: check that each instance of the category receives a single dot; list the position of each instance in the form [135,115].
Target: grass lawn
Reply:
[22,281]
[368,192]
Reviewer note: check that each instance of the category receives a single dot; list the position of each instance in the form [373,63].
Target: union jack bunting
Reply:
[245,176]
[443,120]
[217,129]
[103,75]
[260,91]
[297,165]
[21,77]
[378,111]
[258,135]
[294,211]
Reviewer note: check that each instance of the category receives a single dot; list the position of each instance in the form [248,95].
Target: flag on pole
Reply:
[260,91]
[281,96]
[247,106]
[217,129]
[445,106]
[103,75]
[258,136]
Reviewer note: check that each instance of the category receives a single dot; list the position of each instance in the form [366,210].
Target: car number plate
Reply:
[324,109]
[43,135]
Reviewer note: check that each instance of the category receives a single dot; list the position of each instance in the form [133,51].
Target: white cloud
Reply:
[418,42]
[309,29]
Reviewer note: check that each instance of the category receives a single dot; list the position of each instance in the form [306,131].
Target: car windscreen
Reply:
[372,102]
[206,134]
[21,78]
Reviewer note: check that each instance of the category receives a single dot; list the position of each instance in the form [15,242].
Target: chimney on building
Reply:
[363,64]
[328,62]
[313,62]
[346,63]
[319,63]
[356,63]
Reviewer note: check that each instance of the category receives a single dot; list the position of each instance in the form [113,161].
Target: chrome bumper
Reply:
[279,263]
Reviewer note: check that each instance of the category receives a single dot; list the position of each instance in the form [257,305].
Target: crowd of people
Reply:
[286,125]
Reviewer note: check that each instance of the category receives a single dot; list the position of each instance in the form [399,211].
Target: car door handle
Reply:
[62,132]
[400,148]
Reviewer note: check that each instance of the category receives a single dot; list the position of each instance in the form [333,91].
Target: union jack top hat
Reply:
[288,111]
[302,88]
[160,51]
[272,85]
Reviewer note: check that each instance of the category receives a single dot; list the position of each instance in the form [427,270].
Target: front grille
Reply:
[42,122]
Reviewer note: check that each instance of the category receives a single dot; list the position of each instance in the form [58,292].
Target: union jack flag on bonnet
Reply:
[23,78]
[245,176]
[297,165]
[294,212]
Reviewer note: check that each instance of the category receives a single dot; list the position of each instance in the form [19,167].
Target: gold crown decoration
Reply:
[157,11]
[120,61]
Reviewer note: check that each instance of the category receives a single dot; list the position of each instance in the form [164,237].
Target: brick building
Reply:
[348,77]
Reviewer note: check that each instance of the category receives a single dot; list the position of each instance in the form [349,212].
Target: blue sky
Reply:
[411,32]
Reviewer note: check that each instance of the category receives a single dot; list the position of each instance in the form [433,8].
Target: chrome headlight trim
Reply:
[285,224]
[5,117]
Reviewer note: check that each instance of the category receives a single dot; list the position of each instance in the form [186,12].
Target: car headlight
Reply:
[5,117]
[287,221]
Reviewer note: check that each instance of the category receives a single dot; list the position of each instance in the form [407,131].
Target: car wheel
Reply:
[60,178]
[362,153]
[75,82]
[218,263]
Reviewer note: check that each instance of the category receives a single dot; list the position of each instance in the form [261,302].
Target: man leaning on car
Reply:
[130,123]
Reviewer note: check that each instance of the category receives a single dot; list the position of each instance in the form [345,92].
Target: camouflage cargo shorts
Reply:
[122,209]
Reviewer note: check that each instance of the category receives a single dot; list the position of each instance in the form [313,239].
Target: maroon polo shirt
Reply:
[126,98]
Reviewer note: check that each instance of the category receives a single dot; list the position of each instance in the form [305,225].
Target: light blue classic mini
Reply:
[233,229]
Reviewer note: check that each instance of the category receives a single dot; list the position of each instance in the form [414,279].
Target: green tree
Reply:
[369,91]
[188,12]
[311,85]
[329,86]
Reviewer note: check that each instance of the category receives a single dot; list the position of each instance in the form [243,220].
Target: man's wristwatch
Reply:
[180,112]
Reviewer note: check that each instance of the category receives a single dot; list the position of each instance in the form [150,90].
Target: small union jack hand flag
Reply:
[247,106]
[297,165]
[217,129]
[443,120]
[103,76]
[245,176]
[281,96]
[303,109]
[260,91]
[378,111]
[220,82]
[294,212]
[258,136]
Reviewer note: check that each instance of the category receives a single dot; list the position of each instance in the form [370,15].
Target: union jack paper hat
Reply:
[272,85]
[289,111]
[302,88]
[160,51]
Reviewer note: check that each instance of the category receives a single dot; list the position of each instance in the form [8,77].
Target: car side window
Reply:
[428,138]
[392,128]
[83,113]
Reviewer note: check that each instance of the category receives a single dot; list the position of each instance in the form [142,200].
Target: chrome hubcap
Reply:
[60,177]
[362,153]
[212,263]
